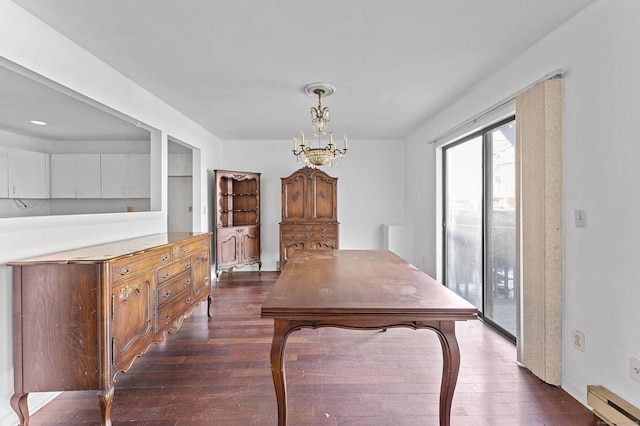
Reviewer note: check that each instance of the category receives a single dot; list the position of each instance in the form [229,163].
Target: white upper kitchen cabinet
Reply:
[126,175]
[28,174]
[4,173]
[180,165]
[139,176]
[88,175]
[75,176]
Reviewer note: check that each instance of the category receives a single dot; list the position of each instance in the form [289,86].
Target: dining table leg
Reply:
[281,329]
[450,367]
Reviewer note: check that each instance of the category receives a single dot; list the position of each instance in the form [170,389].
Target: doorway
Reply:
[179,188]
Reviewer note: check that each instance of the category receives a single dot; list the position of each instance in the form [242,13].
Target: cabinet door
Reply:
[28,174]
[115,175]
[139,176]
[88,179]
[289,247]
[250,247]
[294,198]
[75,176]
[126,175]
[131,314]
[228,247]
[63,176]
[4,173]
[324,197]
[180,165]
[202,274]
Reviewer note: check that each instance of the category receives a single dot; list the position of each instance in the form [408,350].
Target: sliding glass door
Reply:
[479,223]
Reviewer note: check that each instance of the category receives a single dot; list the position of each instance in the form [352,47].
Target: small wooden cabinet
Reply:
[309,212]
[81,316]
[237,219]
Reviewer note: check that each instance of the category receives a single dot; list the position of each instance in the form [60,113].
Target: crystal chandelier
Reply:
[320,118]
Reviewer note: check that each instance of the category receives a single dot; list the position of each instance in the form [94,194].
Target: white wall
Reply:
[598,50]
[28,43]
[370,189]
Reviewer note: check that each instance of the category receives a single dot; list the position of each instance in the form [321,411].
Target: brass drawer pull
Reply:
[186,249]
[187,281]
[124,271]
[166,316]
[166,294]
[164,257]
[165,275]
[187,265]
[187,300]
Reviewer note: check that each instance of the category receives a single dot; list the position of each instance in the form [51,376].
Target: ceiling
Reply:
[238,68]
[69,118]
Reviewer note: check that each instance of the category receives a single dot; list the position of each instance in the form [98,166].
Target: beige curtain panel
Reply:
[539,221]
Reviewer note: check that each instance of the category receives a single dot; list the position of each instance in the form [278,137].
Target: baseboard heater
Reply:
[611,408]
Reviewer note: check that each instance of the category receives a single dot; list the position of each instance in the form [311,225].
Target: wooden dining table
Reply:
[363,290]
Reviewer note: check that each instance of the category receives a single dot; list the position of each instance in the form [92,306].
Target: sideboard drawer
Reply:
[172,288]
[170,312]
[307,227]
[124,268]
[176,268]
[183,250]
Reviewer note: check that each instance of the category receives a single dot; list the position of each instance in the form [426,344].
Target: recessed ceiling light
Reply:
[38,122]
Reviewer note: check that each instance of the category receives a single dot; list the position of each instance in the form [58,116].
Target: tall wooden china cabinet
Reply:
[309,212]
[237,219]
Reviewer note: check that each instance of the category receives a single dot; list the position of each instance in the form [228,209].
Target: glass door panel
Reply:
[463,219]
[500,293]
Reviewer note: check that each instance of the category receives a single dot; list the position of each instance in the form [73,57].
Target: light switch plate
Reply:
[581,218]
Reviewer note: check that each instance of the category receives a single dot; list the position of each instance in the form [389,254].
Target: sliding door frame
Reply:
[486,207]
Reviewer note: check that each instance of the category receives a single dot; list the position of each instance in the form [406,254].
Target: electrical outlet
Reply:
[634,369]
[578,340]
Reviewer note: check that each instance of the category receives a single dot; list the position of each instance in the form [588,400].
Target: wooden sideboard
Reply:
[309,212]
[83,315]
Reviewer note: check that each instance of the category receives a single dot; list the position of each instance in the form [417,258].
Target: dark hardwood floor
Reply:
[216,372]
